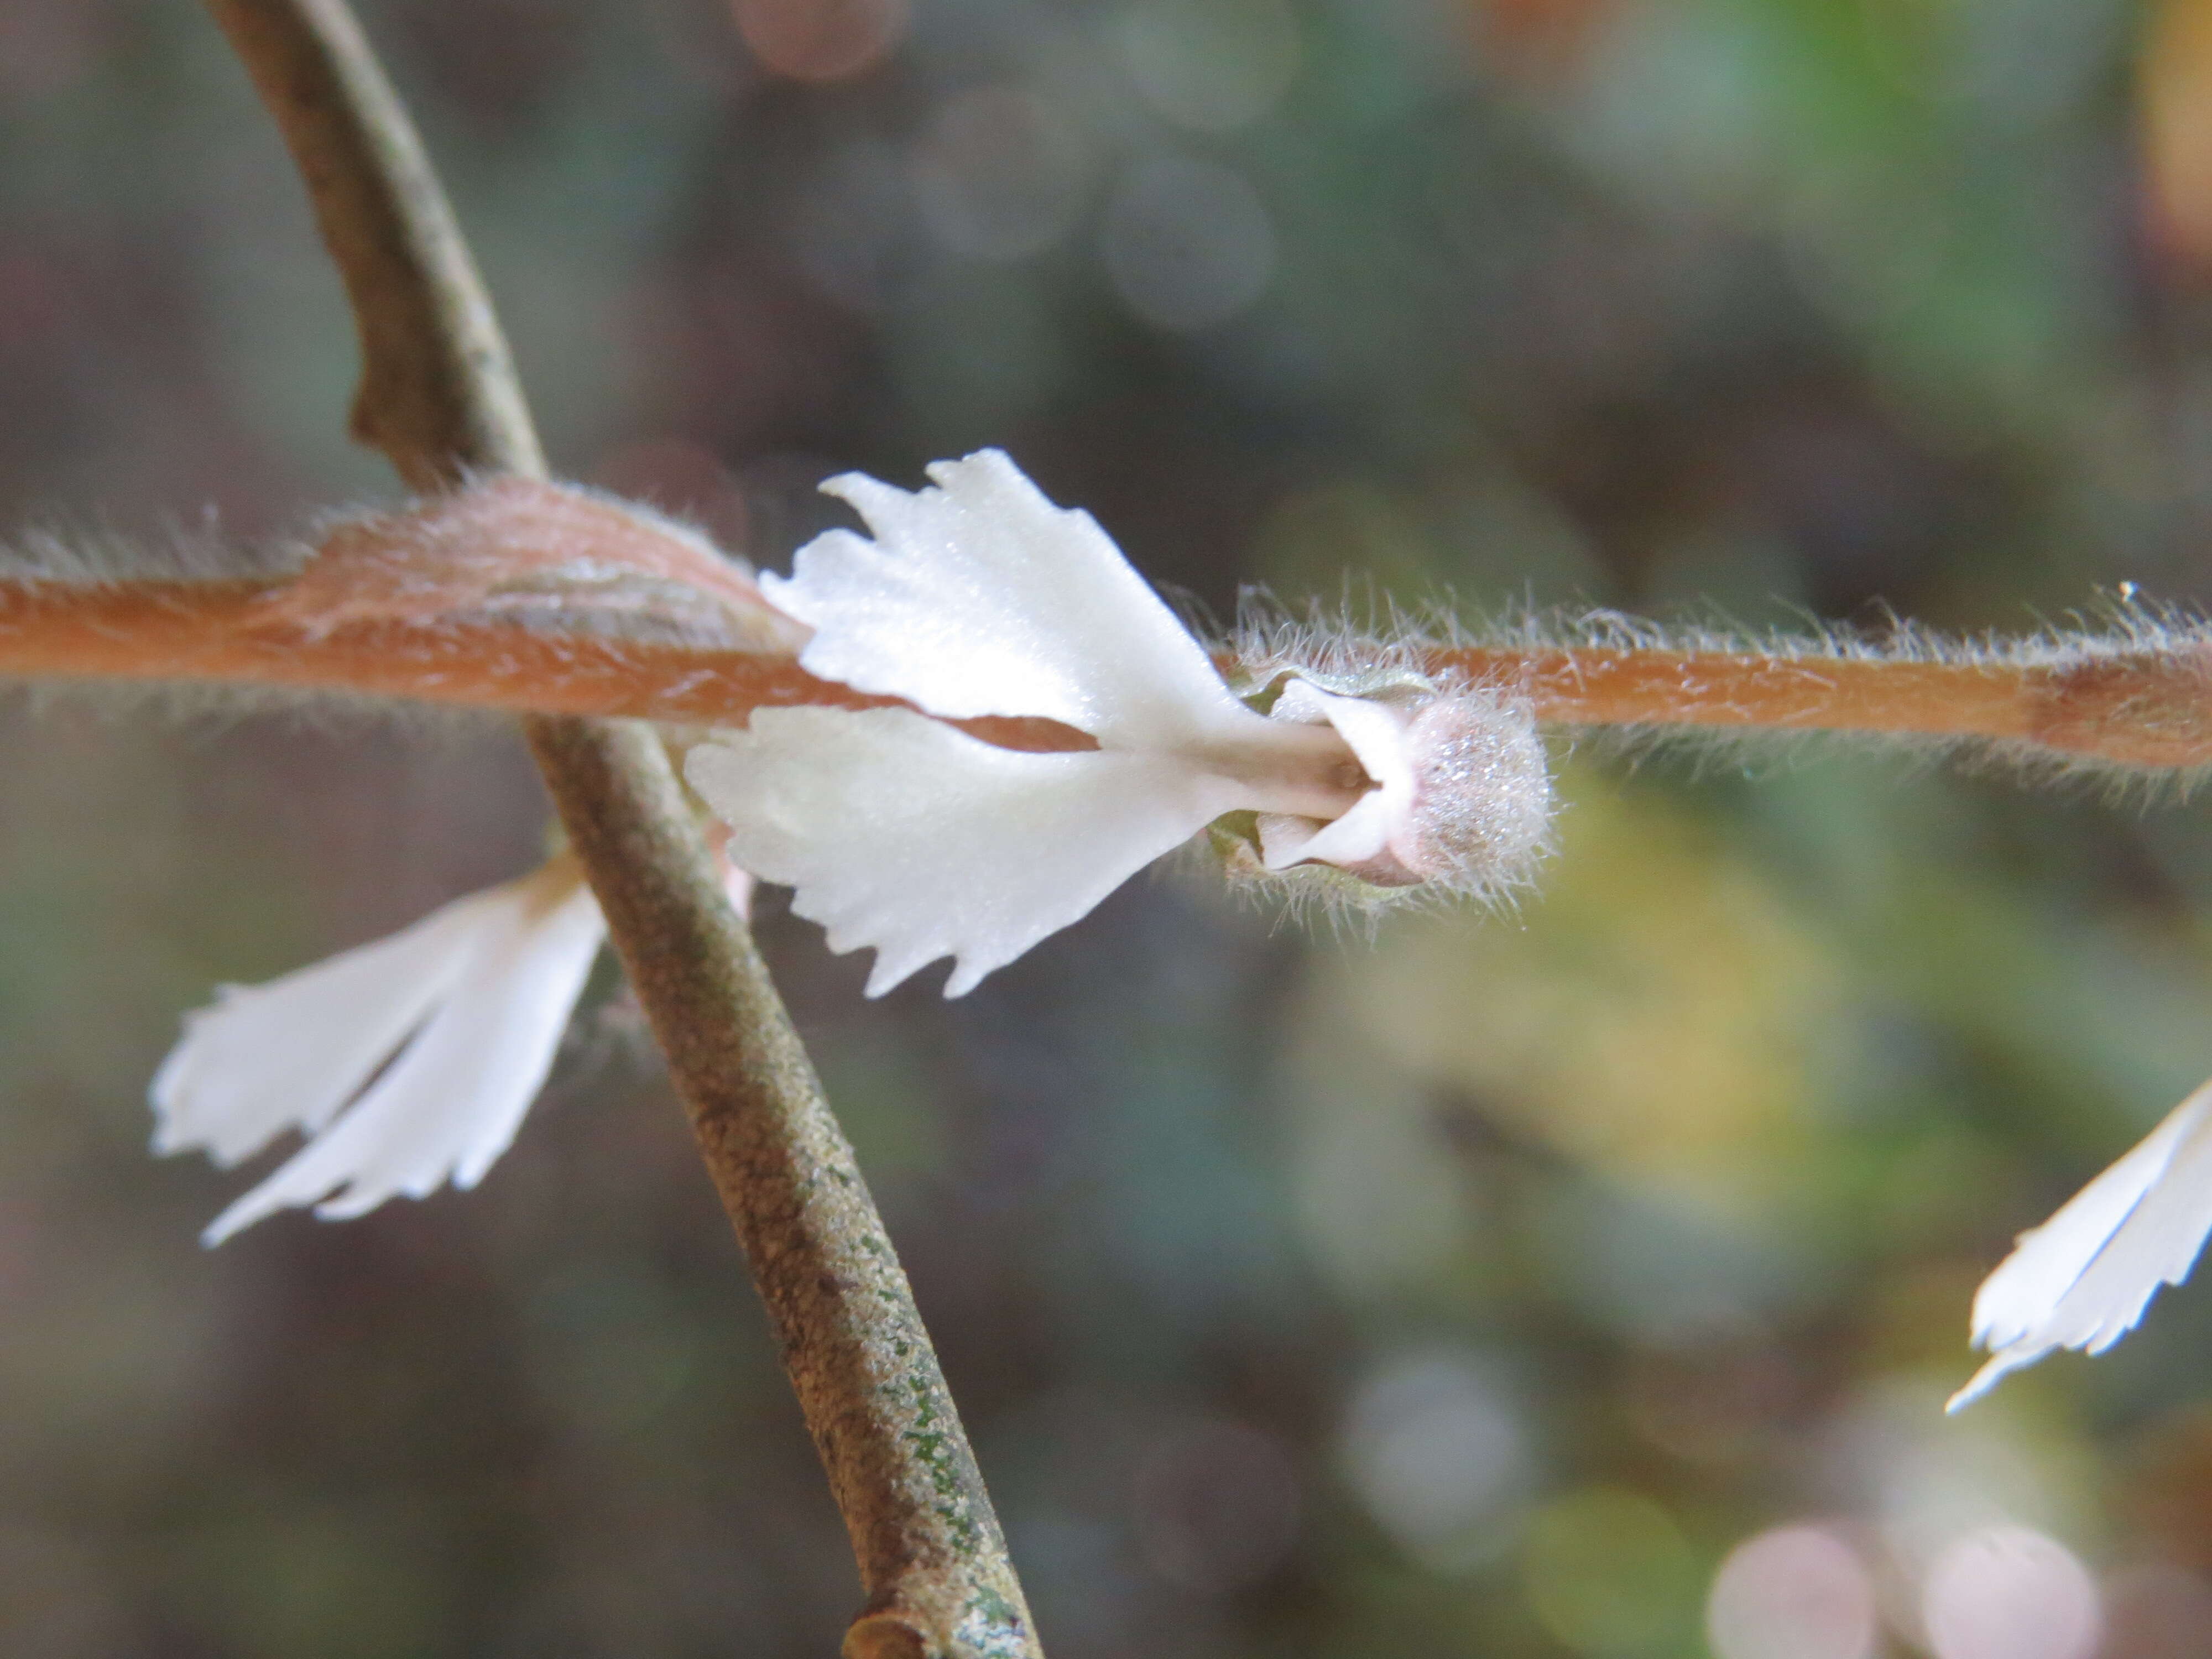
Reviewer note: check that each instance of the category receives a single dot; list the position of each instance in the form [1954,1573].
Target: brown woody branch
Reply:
[439,396]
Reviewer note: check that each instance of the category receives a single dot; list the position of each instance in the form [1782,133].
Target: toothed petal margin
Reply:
[980,597]
[287,1054]
[900,832]
[2084,1278]
[452,1101]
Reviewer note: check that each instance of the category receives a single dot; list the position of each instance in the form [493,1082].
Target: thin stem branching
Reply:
[440,398]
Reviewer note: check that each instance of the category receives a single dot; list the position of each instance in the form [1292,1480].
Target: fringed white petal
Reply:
[905,834]
[980,597]
[2084,1278]
[263,1059]
[485,987]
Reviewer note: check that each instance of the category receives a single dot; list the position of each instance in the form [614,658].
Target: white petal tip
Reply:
[1981,1384]
[237,1218]
[1999,1366]
[977,595]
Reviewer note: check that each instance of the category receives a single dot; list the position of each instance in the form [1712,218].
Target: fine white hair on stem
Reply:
[2122,633]
[96,556]
[554,558]
[584,573]
[2120,699]
[215,705]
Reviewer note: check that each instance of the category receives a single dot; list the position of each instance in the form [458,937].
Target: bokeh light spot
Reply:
[856,232]
[1188,243]
[1792,1593]
[1438,1453]
[821,39]
[1212,65]
[2010,1592]
[2177,128]
[996,175]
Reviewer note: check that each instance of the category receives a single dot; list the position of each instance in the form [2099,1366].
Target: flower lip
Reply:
[1460,796]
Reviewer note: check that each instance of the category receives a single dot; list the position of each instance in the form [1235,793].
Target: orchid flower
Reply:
[411,1061]
[978,597]
[407,1062]
[2084,1278]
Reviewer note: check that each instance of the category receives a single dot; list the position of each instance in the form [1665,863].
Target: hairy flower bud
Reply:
[1481,809]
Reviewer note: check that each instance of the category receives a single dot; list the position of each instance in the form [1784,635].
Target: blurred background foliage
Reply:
[1585,1280]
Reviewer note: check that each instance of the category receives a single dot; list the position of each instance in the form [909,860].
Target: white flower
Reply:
[2084,1278]
[407,1062]
[979,597]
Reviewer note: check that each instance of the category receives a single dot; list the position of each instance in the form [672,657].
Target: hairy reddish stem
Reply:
[2139,708]
[223,633]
